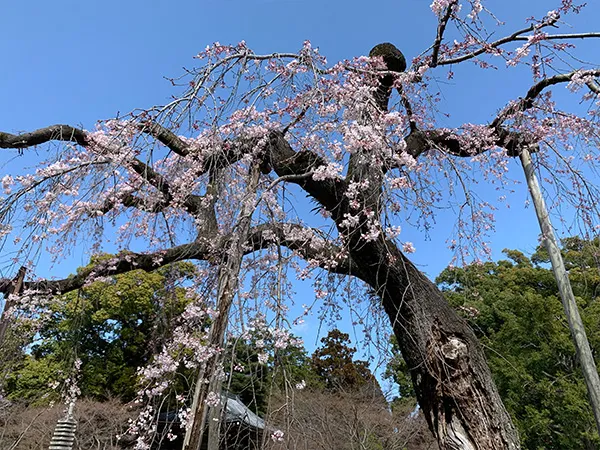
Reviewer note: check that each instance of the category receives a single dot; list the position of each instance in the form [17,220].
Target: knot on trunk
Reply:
[454,349]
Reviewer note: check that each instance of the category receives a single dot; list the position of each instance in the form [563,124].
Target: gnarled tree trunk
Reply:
[452,380]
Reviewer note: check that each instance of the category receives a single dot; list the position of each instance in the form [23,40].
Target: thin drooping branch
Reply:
[229,271]
[440,34]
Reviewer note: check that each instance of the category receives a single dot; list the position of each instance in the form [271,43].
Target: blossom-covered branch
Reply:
[419,141]
[308,242]
[489,47]
[525,103]
[68,133]
[479,139]
[283,159]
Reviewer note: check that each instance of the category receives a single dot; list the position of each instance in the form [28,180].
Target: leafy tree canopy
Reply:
[514,307]
[113,326]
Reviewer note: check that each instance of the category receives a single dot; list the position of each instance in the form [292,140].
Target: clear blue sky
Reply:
[78,61]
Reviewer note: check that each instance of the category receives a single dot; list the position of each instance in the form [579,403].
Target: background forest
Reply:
[116,327]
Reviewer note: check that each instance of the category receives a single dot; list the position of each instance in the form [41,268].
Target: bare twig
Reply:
[485,48]
[552,37]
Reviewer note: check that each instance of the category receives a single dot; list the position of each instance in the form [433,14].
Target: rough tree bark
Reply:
[15,287]
[454,386]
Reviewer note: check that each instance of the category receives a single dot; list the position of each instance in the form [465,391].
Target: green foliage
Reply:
[331,368]
[248,378]
[254,381]
[514,308]
[35,379]
[397,371]
[293,366]
[113,326]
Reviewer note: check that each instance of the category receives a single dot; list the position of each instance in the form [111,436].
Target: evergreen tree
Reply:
[114,327]
[333,363]
[248,378]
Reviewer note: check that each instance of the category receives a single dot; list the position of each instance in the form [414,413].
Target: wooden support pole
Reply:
[229,272]
[582,346]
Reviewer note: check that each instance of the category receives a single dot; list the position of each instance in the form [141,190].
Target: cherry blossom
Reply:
[214,176]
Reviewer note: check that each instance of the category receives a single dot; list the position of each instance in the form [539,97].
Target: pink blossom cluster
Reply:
[440,6]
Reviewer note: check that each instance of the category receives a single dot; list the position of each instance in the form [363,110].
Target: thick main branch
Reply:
[307,242]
